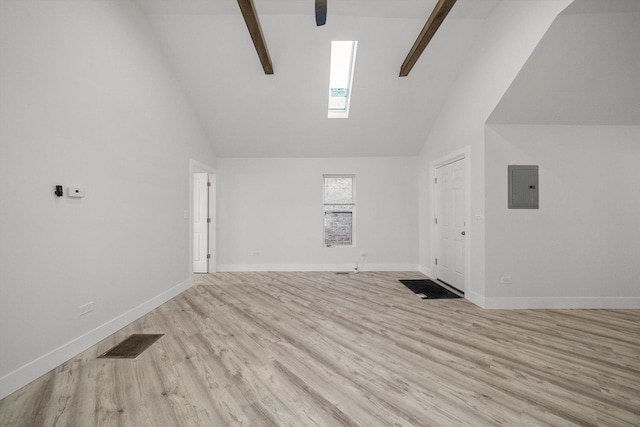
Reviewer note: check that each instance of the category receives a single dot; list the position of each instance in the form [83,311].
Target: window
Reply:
[343,59]
[339,210]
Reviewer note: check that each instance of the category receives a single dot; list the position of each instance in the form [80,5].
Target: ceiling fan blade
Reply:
[321,12]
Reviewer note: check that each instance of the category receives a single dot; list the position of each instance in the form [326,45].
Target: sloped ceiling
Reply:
[249,114]
[585,71]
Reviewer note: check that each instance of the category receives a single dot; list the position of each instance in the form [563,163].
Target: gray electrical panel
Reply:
[523,187]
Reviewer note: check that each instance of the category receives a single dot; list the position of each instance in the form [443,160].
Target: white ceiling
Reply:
[465,9]
[585,71]
[249,114]
[602,6]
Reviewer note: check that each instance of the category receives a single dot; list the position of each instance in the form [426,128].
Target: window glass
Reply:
[339,210]
[343,59]
[338,190]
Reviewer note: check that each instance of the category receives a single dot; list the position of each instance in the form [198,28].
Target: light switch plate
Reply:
[75,192]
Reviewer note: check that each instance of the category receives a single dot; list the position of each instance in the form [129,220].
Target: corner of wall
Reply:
[45,363]
[426,271]
[507,40]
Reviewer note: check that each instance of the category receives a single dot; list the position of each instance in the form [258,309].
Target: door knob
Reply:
[463,233]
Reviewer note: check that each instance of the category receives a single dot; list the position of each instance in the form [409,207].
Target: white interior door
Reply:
[200,224]
[450,223]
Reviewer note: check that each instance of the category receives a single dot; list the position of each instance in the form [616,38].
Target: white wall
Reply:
[581,248]
[86,99]
[274,207]
[509,36]
[583,72]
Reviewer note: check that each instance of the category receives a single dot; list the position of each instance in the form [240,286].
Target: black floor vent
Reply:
[132,347]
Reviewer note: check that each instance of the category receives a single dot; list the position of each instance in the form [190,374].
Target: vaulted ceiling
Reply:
[589,58]
[584,71]
[249,114]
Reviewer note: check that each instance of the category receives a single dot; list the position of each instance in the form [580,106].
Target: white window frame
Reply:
[343,113]
[353,210]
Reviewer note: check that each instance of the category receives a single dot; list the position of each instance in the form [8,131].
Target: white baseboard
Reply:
[475,298]
[315,267]
[36,368]
[427,272]
[533,303]
[610,303]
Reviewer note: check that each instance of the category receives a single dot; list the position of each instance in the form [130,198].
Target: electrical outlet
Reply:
[506,280]
[85,308]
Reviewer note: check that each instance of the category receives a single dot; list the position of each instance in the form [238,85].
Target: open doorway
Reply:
[202,219]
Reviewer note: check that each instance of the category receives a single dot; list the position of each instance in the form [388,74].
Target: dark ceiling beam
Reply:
[433,23]
[253,25]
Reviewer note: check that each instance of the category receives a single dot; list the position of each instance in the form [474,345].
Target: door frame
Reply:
[198,167]
[201,212]
[463,153]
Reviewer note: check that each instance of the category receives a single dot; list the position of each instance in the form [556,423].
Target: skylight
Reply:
[343,59]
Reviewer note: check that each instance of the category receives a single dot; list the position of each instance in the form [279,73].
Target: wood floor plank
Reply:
[321,349]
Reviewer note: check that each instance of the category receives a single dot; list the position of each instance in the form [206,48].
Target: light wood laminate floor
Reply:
[320,349]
